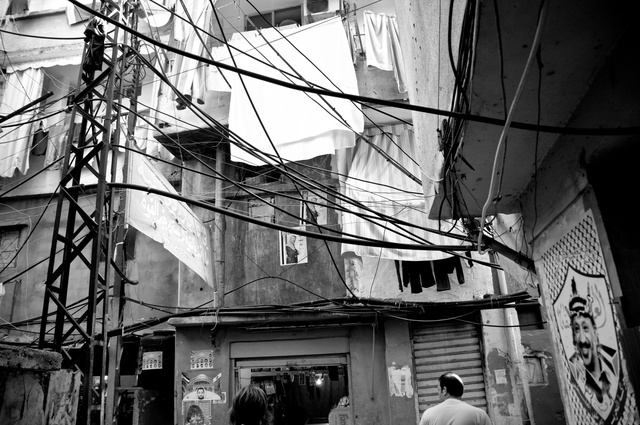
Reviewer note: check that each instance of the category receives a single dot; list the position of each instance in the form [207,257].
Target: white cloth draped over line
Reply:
[378,184]
[15,142]
[382,45]
[300,125]
[189,74]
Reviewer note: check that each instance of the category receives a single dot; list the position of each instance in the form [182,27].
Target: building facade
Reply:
[547,169]
[320,286]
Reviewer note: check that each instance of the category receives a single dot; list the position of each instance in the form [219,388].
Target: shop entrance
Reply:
[300,390]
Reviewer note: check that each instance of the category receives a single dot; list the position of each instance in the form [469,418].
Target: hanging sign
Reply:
[167,221]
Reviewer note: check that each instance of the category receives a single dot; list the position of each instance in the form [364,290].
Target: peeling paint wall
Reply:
[546,400]
[32,393]
[403,401]
[505,393]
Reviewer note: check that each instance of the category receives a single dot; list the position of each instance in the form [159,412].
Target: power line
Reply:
[376,101]
[41,37]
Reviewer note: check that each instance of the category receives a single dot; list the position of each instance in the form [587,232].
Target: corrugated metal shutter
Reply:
[448,347]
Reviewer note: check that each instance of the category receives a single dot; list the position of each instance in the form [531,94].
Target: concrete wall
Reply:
[423,28]
[399,354]
[368,387]
[546,400]
[579,229]
[377,278]
[506,398]
[157,272]
[34,391]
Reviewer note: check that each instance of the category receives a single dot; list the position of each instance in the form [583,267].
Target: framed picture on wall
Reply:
[293,248]
[314,209]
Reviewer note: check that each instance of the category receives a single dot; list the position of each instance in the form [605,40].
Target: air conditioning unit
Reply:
[315,8]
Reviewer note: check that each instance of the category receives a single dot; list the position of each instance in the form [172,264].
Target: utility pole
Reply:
[87,224]
[115,319]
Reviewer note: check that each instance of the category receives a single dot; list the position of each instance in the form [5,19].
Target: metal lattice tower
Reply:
[83,240]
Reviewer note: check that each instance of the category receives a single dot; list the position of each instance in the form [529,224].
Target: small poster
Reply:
[293,248]
[314,210]
[152,360]
[202,359]
[400,381]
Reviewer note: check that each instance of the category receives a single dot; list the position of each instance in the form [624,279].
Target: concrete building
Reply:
[559,83]
[351,330]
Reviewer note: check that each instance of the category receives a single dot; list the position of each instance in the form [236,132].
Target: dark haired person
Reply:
[452,410]
[194,416]
[249,407]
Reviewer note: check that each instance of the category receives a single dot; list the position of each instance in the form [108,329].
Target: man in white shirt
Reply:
[452,410]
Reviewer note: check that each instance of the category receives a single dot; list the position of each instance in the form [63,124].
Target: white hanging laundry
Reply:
[380,185]
[189,75]
[15,141]
[382,45]
[300,125]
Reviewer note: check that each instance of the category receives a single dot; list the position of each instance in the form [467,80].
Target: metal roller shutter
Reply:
[448,347]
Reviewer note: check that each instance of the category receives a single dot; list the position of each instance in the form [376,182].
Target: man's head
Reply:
[200,393]
[292,239]
[249,406]
[583,328]
[450,385]
[585,339]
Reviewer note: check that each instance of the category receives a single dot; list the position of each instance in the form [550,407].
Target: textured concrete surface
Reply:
[34,398]
[13,358]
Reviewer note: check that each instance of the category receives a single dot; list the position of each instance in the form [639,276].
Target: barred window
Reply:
[9,243]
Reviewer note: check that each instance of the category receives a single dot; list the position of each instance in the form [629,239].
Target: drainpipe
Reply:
[218,232]
[512,332]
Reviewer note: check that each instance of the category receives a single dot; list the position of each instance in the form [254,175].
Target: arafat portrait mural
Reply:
[588,335]
[585,328]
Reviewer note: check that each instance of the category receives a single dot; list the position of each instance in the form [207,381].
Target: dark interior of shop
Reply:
[302,395]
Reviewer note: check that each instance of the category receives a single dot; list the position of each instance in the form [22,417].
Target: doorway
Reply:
[301,390]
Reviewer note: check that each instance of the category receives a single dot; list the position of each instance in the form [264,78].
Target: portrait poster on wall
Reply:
[293,248]
[198,400]
[314,210]
[586,330]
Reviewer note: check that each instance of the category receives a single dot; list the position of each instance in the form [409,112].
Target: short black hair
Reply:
[249,406]
[452,383]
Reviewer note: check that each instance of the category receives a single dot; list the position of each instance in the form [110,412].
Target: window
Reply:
[13,7]
[530,317]
[274,18]
[9,244]
[536,369]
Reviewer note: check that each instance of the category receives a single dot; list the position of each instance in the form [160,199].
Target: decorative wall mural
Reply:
[596,389]
[588,335]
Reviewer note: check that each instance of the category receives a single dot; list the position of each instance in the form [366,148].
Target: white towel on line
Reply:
[299,127]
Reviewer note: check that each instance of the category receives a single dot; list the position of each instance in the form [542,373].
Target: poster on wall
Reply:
[315,210]
[293,248]
[597,390]
[152,360]
[199,397]
[201,359]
